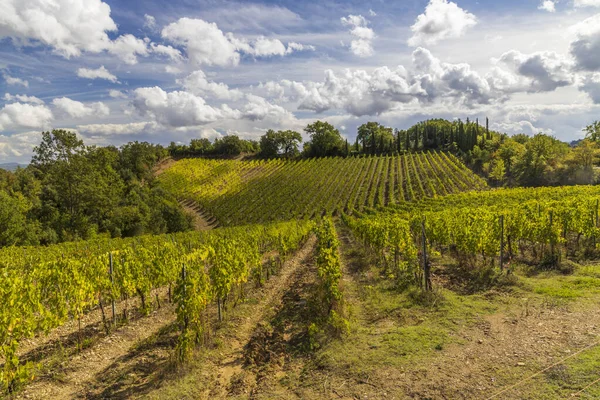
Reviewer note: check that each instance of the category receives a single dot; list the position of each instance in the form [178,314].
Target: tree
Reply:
[277,143]
[593,131]
[229,145]
[201,146]
[375,138]
[497,172]
[509,152]
[14,227]
[325,140]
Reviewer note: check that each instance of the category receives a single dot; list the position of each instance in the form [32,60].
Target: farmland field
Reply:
[238,192]
[338,277]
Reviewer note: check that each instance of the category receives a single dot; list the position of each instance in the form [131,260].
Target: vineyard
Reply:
[239,192]
[44,288]
[539,226]
[422,255]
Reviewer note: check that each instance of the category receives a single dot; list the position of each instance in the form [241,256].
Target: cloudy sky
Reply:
[116,71]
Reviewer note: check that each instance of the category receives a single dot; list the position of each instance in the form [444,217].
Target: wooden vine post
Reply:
[501,243]
[426,269]
[112,282]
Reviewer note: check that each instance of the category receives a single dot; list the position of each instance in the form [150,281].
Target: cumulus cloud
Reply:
[169,51]
[586,3]
[441,20]
[117,94]
[547,5]
[361,45]
[198,84]
[14,147]
[149,21]
[429,81]
[591,85]
[546,70]
[22,98]
[68,26]
[99,73]
[357,92]
[127,48]
[19,115]
[206,44]
[257,108]
[169,69]
[77,109]
[586,46]
[14,81]
[132,128]
[293,46]
[178,108]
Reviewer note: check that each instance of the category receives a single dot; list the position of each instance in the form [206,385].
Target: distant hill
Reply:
[575,143]
[11,166]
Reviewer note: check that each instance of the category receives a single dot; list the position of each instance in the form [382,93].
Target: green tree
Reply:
[592,131]
[375,138]
[273,144]
[498,171]
[509,152]
[325,140]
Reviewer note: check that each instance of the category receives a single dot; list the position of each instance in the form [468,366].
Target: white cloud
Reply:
[117,94]
[19,115]
[586,3]
[14,81]
[128,47]
[591,86]
[178,108]
[99,73]
[149,21]
[547,5]
[168,51]
[22,98]
[586,47]
[546,70]
[15,147]
[77,109]
[361,45]
[293,46]
[198,84]
[68,26]
[132,128]
[206,44]
[441,20]
[372,13]
[257,108]
[169,69]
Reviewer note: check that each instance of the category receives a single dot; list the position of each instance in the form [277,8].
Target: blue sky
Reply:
[115,71]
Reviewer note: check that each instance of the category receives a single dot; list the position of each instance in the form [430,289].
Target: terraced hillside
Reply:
[237,192]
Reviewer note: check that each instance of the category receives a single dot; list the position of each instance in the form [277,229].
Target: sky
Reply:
[117,71]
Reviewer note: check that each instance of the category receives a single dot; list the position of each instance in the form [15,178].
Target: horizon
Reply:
[152,72]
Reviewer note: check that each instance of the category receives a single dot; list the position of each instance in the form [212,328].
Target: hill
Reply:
[239,192]
[11,166]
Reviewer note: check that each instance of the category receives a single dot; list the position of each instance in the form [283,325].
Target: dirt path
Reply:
[81,368]
[493,353]
[232,365]
[202,220]
[162,166]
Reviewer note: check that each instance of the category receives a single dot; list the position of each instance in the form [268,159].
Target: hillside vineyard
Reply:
[239,192]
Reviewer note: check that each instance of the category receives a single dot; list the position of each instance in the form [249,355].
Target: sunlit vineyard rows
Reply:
[482,228]
[45,287]
[238,192]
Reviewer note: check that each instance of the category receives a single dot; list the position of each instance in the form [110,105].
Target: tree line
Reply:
[71,191]
[517,160]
